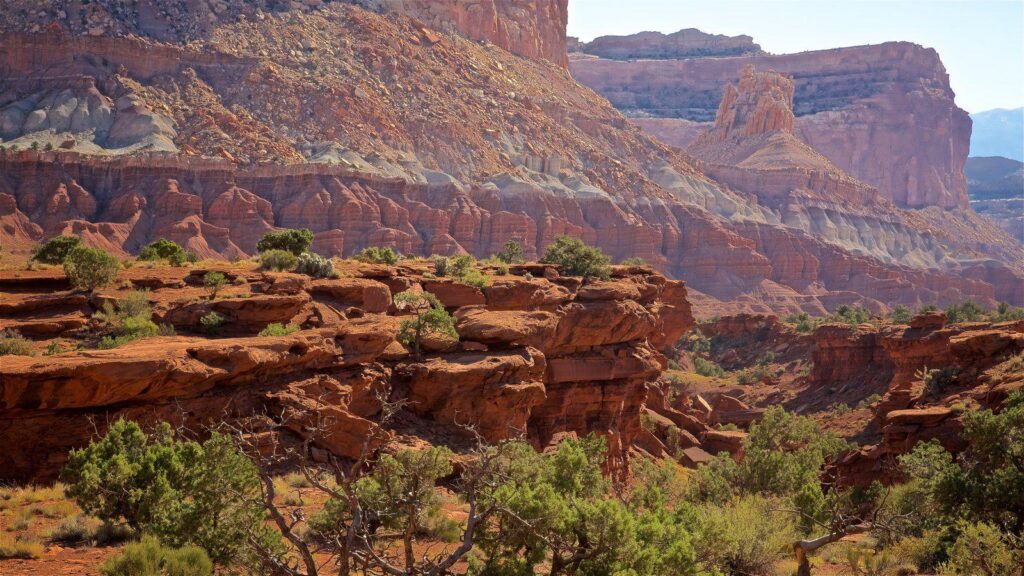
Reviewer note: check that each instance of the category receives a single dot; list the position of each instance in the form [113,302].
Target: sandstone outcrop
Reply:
[928,374]
[549,358]
[687,43]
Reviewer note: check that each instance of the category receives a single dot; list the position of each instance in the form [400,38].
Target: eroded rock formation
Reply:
[330,116]
[539,358]
[883,113]
[927,375]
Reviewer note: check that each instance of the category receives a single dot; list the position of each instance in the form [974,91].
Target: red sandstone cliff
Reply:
[530,28]
[537,357]
[883,113]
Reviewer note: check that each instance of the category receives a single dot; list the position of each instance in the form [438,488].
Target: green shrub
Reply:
[294,241]
[19,548]
[852,315]
[90,268]
[744,536]
[1006,313]
[314,265]
[559,511]
[802,322]
[131,319]
[751,375]
[278,329]
[211,322]
[181,491]
[577,259]
[431,318]
[462,269]
[784,454]
[214,281]
[56,249]
[511,253]
[149,558]
[937,381]
[987,484]
[279,260]
[378,255]
[982,549]
[707,368]
[164,249]
[13,343]
[966,311]
[900,315]
[441,266]
[52,349]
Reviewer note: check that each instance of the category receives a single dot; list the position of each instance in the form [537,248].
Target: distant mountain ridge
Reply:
[998,132]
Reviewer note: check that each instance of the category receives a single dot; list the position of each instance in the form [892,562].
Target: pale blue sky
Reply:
[981,42]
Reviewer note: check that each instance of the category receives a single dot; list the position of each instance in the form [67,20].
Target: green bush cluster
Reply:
[461,268]
[511,253]
[707,368]
[148,557]
[183,492]
[430,319]
[577,259]
[212,322]
[966,516]
[561,511]
[278,260]
[634,261]
[293,241]
[214,282]
[168,250]
[129,319]
[90,268]
[56,249]
[378,255]
[278,329]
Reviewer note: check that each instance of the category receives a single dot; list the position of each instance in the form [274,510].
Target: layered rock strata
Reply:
[538,358]
[883,113]
[928,374]
[688,43]
[216,129]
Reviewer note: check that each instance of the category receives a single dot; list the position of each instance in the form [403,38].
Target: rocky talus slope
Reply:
[539,357]
[211,125]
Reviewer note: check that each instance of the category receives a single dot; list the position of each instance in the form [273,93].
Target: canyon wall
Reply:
[883,113]
[371,128]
